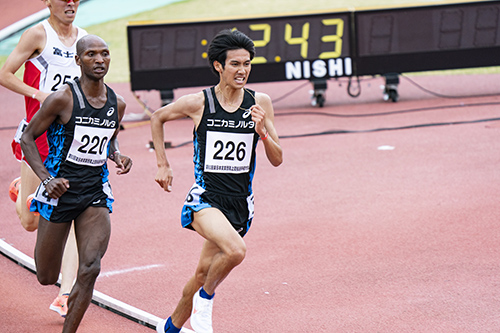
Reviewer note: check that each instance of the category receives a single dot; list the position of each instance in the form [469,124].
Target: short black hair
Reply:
[227,40]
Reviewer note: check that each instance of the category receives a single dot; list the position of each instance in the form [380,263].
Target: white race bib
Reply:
[228,152]
[20,130]
[41,195]
[58,75]
[90,145]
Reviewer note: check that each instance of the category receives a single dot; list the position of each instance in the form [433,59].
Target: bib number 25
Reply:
[59,80]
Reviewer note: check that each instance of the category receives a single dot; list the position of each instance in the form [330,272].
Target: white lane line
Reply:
[128,270]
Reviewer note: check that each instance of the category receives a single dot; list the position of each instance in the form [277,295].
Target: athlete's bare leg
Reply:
[50,242]
[69,265]
[93,230]
[183,310]
[29,183]
[225,247]
[223,250]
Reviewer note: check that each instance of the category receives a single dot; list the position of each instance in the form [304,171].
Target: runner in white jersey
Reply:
[47,72]
[47,50]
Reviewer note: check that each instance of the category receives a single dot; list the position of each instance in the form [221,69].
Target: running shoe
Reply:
[28,203]
[201,315]
[60,305]
[14,189]
[160,327]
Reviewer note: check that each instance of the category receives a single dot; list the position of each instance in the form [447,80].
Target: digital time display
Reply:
[287,48]
[322,45]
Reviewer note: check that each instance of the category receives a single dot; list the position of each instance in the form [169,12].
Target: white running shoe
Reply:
[160,327]
[201,315]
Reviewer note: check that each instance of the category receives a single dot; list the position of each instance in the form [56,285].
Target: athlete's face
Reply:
[94,61]
[237,68]
[65,10]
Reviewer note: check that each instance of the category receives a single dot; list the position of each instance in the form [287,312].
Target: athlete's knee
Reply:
[46,277]
[236,254]
[89,271]
[29,222]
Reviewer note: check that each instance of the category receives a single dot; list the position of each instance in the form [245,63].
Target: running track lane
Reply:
[347,238]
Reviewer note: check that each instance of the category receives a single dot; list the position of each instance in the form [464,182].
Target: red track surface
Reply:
[346,238]
[13,11]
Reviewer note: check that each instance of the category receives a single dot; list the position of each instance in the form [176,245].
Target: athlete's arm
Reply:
[123,162]
[263,116]
[31,44]
[57,107]
[187,106]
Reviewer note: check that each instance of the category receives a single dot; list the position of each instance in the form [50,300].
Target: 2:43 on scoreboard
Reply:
[296,42]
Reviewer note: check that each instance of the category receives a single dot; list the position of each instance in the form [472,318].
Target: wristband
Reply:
[47,180]
[34,95]
[265,137]
[112,156]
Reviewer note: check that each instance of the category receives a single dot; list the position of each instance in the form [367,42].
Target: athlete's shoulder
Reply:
[34,37]
[59,103]
[61,95]
[261,97]
[192,103]
[81,30]
[195,98]
[120,101]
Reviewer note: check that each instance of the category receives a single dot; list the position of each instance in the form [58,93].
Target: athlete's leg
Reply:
[69,265]
[50,241]
[29,183]
[225,245]
[184,307]
[92,230]
[223,250]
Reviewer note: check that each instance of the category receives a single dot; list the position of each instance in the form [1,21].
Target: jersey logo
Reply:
[110,111]
[247,113]
[64,54]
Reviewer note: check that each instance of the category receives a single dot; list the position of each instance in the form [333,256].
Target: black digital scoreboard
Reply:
[165,56]
[428,38]
[168,56]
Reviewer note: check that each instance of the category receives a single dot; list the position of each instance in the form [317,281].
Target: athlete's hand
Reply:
[57,187]
[259,118]
[164,178]
[123,163]
[41,96]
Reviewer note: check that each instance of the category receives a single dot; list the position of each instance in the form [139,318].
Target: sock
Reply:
[170,328]
[204,294]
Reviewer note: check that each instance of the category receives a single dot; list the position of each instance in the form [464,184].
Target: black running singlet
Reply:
[224,147]
[78,150]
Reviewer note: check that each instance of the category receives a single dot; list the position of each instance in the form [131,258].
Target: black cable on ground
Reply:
[383,129]
[276,100]
[442,95]
[388,113]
